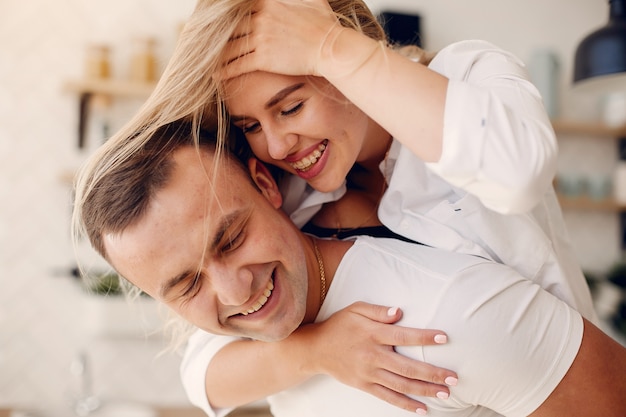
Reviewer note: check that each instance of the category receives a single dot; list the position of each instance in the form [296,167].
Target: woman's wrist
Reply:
[305,350]
[343,51]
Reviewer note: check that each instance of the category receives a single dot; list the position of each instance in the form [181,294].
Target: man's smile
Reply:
[260,302]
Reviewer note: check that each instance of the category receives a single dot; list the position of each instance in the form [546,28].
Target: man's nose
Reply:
[232,286]
[280,143]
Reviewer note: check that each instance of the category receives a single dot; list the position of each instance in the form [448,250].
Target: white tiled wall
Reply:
[41,46]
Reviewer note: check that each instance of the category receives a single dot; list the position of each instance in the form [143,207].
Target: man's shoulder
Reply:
[414,255]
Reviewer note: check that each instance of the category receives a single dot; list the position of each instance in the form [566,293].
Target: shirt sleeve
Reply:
[498,141]
[517,341]
[201,348]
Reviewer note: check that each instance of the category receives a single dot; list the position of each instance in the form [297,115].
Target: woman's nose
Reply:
[280,144]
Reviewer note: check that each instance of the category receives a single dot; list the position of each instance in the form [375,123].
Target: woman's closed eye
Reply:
[251,127]
[293,109]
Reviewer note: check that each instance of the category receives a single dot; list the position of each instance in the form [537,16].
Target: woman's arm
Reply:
[355,346]
[472,113]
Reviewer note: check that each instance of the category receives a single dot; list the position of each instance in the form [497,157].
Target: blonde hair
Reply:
[188,91]
[187,97]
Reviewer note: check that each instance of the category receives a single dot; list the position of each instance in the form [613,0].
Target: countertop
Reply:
[195,412]
[189,412]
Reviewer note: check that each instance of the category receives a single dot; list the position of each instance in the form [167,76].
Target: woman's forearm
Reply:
[355,346]
[247,370]
[410,98]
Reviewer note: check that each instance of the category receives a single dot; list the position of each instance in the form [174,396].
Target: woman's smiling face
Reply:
[300,124]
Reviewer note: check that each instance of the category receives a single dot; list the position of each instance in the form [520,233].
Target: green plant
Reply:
[103,284]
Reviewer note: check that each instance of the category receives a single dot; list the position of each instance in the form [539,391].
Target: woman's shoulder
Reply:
[459,57]
[469,47]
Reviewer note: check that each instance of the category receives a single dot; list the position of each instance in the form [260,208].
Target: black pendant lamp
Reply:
[603,52]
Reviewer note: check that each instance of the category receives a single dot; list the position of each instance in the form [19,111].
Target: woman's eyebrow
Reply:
[275,99]
[282,94]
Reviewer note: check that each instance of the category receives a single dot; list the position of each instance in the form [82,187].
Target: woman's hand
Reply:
[281,36]
[356,347]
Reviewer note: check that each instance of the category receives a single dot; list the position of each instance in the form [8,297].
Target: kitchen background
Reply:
[50,329]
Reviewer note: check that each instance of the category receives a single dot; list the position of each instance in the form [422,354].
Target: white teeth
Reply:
[262,299]
[309,160]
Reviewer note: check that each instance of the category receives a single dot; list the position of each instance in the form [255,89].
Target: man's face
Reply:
[219,253]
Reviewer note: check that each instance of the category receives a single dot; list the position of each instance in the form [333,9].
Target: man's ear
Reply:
[265,182]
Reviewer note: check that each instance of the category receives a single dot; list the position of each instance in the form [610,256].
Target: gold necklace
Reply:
[320,264]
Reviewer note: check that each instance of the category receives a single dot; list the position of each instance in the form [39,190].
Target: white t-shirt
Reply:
[510,342]
[483,133]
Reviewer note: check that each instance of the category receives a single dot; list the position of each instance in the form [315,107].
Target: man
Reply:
[211,242]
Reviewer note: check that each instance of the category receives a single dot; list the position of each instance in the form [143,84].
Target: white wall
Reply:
[518,26]
[41,46]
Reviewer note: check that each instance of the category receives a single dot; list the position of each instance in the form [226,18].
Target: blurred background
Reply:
[73,71]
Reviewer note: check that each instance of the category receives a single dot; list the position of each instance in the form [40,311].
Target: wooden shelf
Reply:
[596,130]
[87,88]
[587,203]
[111,87]
[588,128]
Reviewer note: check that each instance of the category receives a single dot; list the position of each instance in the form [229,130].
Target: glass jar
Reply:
[143,61]
[98,62]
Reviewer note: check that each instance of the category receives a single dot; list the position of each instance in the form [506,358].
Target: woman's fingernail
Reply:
[392,311]
[442,395]
[421,411]
[441,338]
[451,381]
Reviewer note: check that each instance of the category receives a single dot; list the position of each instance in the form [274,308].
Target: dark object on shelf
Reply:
[401,28]
[619,319]
[617,275]
[603,52]
[82,120]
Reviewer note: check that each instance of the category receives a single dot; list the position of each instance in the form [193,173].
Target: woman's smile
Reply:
[305,163]
[311,164]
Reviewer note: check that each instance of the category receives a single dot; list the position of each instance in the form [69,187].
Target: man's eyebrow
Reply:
[276,98]
[223,226]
